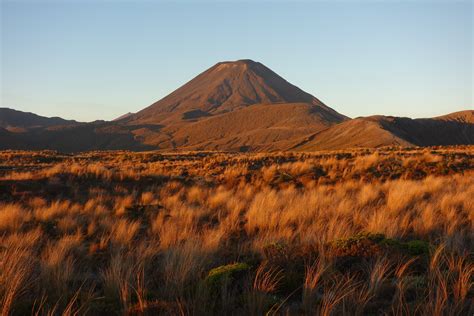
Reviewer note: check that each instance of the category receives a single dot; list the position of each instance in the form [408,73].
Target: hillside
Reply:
[260,127]
[17,121]
[377,131]
[461,116]
[84,137]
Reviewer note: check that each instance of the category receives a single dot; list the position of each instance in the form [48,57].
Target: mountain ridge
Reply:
[455,128]
[234,106]
[14,120]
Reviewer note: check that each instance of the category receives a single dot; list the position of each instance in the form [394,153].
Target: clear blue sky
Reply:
[89,60]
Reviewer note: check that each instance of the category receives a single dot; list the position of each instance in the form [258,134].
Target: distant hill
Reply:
[461,116]
[83,137]
[124,116]
[14,120]
[376,131]
[234,106]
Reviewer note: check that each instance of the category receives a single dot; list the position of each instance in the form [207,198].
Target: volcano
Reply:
[233,106]
[227,87]
[239,105]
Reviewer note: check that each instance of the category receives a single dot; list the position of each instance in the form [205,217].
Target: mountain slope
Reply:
[359,132]
[14,120]
[376,131]
[461,116]
[257,127]
[83,137]
[123,116]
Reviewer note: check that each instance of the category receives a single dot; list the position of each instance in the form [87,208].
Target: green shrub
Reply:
[223,274]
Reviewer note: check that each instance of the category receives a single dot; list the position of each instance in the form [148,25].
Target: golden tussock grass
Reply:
[388,231]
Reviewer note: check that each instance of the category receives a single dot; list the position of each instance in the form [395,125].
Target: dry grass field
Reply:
[367,232]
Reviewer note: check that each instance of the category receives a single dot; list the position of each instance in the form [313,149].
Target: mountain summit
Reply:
[234,105]
[229,86]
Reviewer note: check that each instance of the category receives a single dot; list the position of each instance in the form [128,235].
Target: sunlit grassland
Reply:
[386,231]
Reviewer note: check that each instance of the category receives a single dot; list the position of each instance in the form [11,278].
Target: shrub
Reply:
[221,275]
[359,245]
[370,244]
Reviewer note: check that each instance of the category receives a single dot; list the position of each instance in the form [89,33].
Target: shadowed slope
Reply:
[84,137]
[14,120]
[376,131]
